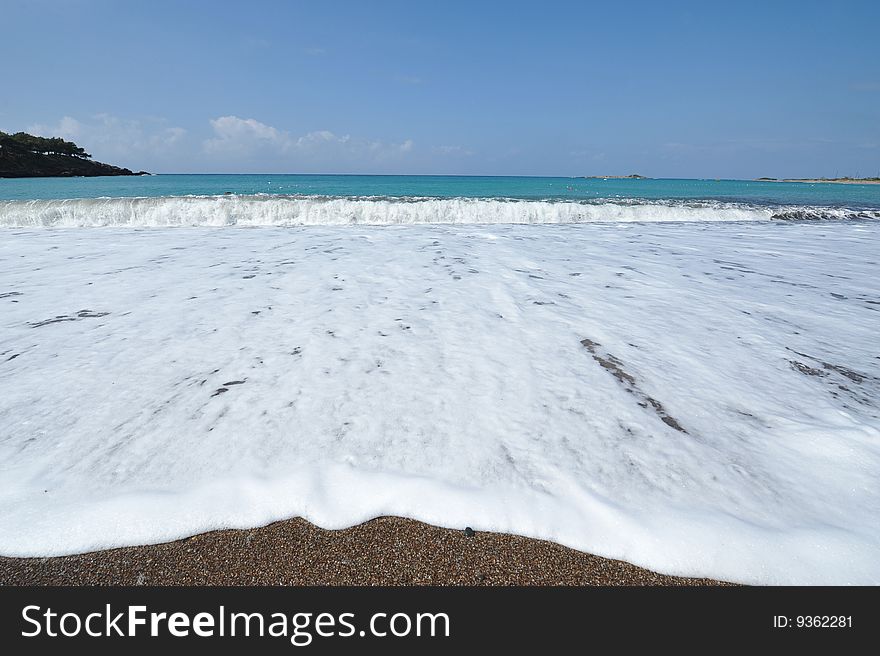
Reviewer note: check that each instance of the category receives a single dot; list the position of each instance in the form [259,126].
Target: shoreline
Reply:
[385,551]
[819,181]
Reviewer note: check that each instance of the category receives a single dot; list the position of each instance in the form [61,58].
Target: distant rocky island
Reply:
[23,155]
[830,180]
[631,176]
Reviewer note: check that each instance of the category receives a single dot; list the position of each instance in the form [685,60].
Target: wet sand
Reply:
[382,551]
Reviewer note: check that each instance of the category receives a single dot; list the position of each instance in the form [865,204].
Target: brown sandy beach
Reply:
[382,551]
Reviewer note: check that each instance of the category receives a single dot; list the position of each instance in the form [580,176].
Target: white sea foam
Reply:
[700,399]
[269,210]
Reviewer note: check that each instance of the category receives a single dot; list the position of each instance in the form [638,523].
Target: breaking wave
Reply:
[275,210]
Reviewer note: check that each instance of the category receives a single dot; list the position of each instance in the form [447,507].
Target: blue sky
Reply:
[666,89]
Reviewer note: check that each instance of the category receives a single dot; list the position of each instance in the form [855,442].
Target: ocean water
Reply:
[410,186]
[686,381]
[168,200]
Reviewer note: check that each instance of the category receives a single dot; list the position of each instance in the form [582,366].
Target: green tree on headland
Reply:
[24,155]
[23,141]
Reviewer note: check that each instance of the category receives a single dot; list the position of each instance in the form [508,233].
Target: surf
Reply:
[300,210]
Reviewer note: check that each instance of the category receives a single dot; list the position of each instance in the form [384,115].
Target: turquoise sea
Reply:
[779,193]
[292,200]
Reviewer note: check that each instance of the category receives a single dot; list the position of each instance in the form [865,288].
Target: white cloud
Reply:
[320,137]
[67,128]
[114,139]
[231,143]
[170,135]
[315,52]
[237,136]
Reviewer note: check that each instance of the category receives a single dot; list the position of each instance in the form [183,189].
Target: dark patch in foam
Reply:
[82,314]
[854,376]
[865,386]
[806,369]
[615,367]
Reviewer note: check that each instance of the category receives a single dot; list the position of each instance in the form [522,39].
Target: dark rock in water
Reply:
[816,214]
[469,532]
[801,215]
